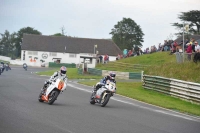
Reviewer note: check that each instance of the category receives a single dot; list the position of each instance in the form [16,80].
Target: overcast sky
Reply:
[94,18]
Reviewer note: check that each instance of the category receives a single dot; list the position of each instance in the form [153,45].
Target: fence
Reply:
[95,71]
[187,57]
[120,75]
[178,88]
[80,71]
[52,64]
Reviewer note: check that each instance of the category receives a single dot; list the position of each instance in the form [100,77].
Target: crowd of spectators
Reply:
[190,47]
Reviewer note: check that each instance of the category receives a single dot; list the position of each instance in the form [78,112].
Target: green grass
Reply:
[160,64]
[157,58]
[135,90]
[72,73]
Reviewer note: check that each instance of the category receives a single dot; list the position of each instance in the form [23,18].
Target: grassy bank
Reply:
[134,90]
[160,64]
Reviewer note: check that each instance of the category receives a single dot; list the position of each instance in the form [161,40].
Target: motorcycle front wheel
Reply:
[40,97]
[92,100]
[53,96]
[105,100]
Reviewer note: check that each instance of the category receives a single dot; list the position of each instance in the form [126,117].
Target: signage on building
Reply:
[24,55]
[44,55]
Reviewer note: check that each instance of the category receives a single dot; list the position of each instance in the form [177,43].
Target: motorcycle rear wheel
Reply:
[53,96]
[106,99]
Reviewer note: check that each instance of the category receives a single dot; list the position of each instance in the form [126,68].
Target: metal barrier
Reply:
[80,71]
[178,88]
[52,64]
[120,75]
[187,57]
[135,75]
[95,71]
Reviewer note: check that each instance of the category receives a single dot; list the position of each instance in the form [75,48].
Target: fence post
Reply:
[142,72]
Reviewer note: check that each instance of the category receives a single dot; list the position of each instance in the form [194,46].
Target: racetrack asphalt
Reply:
[20,111]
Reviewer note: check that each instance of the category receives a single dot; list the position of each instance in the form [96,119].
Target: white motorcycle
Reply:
[51,90]
[103,94]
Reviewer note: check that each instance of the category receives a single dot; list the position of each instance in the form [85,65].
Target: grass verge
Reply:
[135,90]
[72,73]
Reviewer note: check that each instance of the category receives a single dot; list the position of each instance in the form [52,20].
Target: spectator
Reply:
[121,56]
[118,57]
[193,44]
[105,58]
[186,44]
[130,53]
[197,53]
[100,58]
[125,52]
[189,51]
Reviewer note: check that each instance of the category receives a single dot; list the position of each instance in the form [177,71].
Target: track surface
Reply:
[20,111]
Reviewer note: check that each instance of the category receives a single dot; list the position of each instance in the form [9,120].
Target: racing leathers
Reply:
[54,77]
[103,82]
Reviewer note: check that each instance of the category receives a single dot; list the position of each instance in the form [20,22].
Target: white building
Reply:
[61,49]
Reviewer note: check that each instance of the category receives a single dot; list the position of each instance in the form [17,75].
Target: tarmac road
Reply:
[20,111]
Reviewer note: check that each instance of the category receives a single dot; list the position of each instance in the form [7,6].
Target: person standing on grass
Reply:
[189,51]
[197,52]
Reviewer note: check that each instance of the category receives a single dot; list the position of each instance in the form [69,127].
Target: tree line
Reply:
[126,34]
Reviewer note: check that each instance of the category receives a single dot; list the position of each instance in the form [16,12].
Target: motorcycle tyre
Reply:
[92,100]
[39,98]
[107,98]
[56,93]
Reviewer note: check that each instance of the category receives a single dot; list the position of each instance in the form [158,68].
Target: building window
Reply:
[35,53]
[52,54]
[32,53]
[72,55]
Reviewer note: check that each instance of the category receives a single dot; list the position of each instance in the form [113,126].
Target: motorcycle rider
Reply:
[61,73]
[110,77]
[25,65]
[3,67]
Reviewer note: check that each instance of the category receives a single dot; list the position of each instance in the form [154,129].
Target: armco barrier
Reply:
[178,88]
[95,71]
[52,64]
[135,75]
[80,71]
[120,75]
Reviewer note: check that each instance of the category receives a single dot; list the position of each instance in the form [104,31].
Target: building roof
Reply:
[69,44]
[195,37]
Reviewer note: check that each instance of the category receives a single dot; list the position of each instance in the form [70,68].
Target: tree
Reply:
[7,43]
[63,31]
[58,34]
[127,34]
[192,18]
[18,40]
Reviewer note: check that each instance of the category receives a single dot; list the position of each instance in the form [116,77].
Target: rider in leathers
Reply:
[110,77]
[61,73]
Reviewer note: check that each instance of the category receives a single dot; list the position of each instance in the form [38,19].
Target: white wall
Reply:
[5,58]
[65,58]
